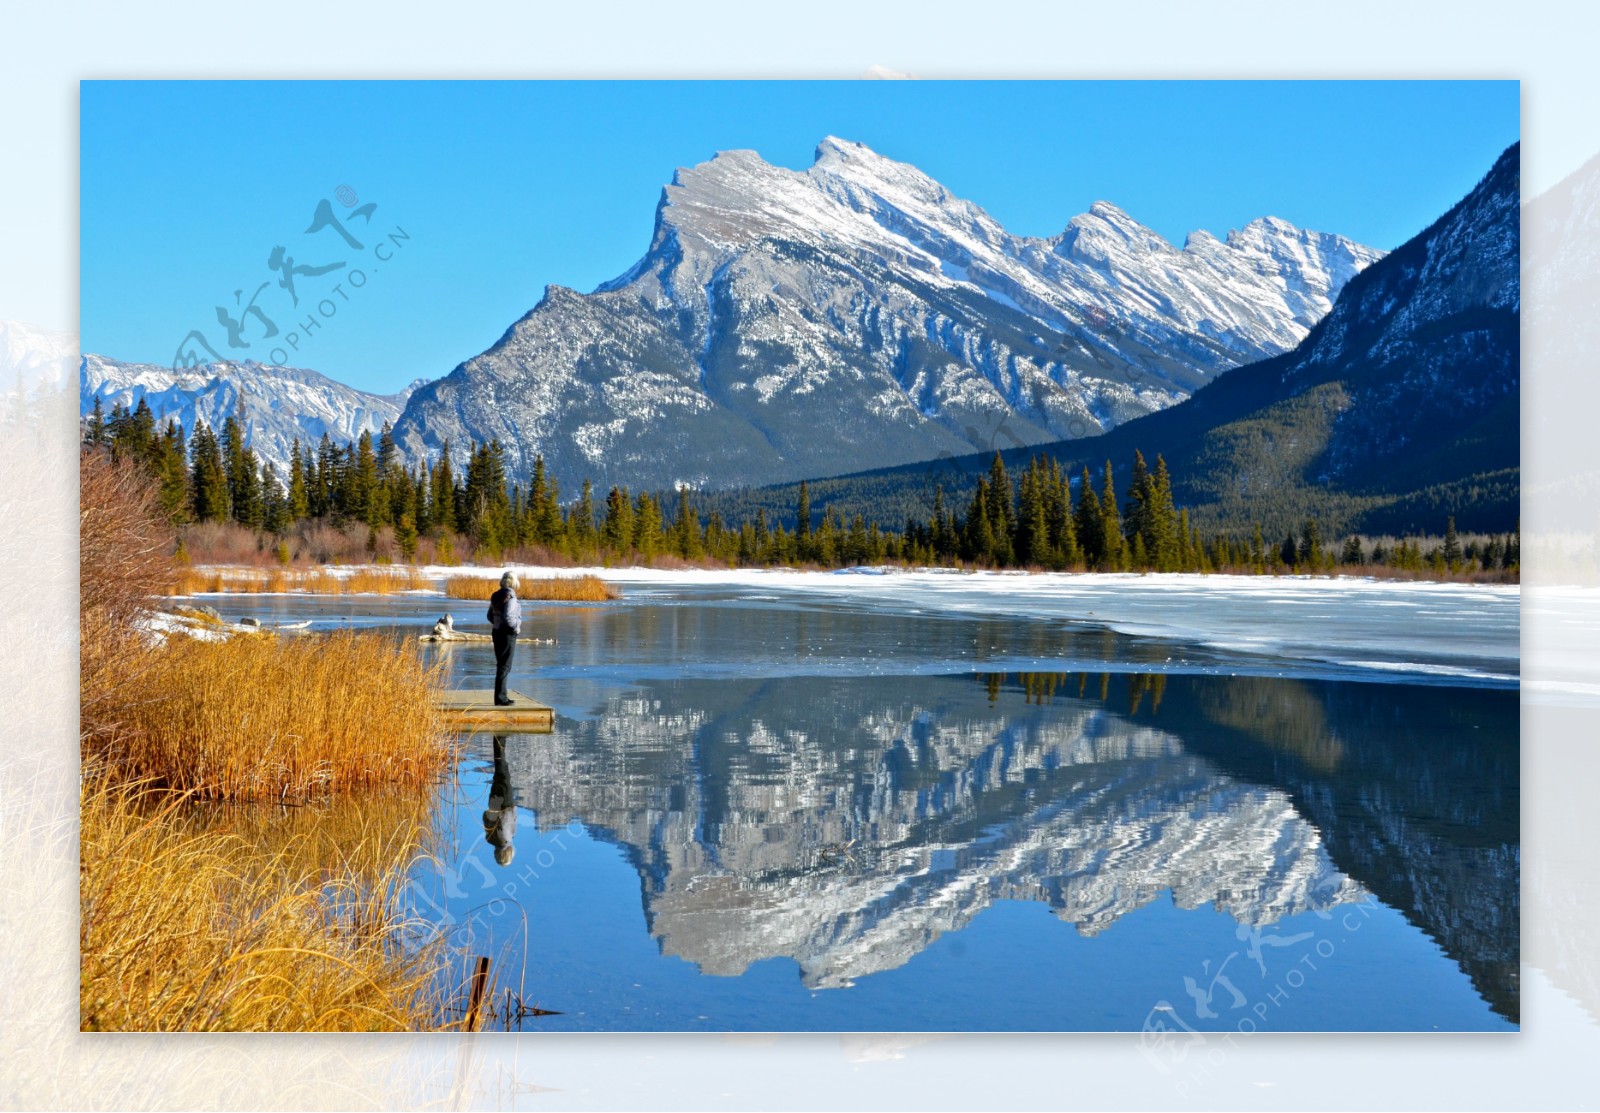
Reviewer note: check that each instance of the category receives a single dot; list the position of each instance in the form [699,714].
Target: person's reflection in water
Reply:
[500,818]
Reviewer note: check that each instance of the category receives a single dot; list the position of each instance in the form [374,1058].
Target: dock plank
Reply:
[474,709]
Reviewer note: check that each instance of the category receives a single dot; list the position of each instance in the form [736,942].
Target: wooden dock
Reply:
[474,710]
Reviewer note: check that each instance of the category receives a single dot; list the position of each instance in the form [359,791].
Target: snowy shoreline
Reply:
[1382,629]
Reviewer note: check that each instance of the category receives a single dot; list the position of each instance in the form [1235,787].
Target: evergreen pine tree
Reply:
[1310,552]
[421,512]
[855,548]
[274,501]
[1139,558]
[1113,551]
[1090,527]
[616,533]
[977,536]
[1001,512]
[405,536]
[686,539]
[802,523]
[939,538]
[171,469]
[1452,545]
[580,523]
[647,537]
[825,544]
[366,501]
[1161,519]
[299,498]
[1134,522]
[442,496]
[208,484]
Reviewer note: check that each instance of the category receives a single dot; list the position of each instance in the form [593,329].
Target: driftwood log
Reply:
[445,631]
[459,636]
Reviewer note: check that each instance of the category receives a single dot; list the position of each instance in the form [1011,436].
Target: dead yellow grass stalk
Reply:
[257,717]
[194,922]
[212,917]
[315,581]
[563,589]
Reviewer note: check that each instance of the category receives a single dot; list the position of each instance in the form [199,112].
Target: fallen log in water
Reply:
[458,636]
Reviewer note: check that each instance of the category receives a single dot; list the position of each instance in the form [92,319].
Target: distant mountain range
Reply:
[790,324]
[1398,409]
[33,357]
[856,319]
[279,403]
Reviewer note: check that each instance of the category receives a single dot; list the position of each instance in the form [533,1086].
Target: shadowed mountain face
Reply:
[1420,802]
[847,823]
[789,324]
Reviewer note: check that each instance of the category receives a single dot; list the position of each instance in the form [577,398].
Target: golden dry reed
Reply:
[258,717]
[210,916]
[316,581]
[193,922]
[124,548]
[564,589]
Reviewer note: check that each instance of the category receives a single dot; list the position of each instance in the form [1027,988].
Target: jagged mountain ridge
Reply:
[948,805]
[786,324]
[32,357]
[279,403]
[1400,407]
[1261,797]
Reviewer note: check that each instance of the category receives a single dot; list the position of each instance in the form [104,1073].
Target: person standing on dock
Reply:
[505,623]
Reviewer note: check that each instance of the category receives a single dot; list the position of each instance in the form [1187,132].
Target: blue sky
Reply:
[497,189]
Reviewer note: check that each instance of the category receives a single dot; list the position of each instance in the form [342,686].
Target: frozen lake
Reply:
[779,801]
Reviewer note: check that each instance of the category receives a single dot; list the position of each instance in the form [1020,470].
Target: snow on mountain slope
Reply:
[787,323]
[1005,808]
[279,403]
[35,357]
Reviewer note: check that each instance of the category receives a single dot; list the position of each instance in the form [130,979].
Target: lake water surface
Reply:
[765,809]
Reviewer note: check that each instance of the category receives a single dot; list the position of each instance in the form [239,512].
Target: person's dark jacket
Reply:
[505,612]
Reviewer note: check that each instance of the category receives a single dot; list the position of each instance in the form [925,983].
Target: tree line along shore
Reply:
[358,501]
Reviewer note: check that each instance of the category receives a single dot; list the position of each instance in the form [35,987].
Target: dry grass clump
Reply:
[124,551]
[563,589]
[362,835]
[196,926]
[209,917]
[386,581]
[258,717]
[315,581]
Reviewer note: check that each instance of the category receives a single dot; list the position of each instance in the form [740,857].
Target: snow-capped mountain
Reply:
[847,824]
[994,806]
[786,324]
[1399,410]
[279,403]
[35,357]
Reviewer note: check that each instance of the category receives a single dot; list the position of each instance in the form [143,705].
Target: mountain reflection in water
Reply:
[846,823]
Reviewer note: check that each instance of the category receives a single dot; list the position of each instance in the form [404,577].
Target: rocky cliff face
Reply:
[788,324]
